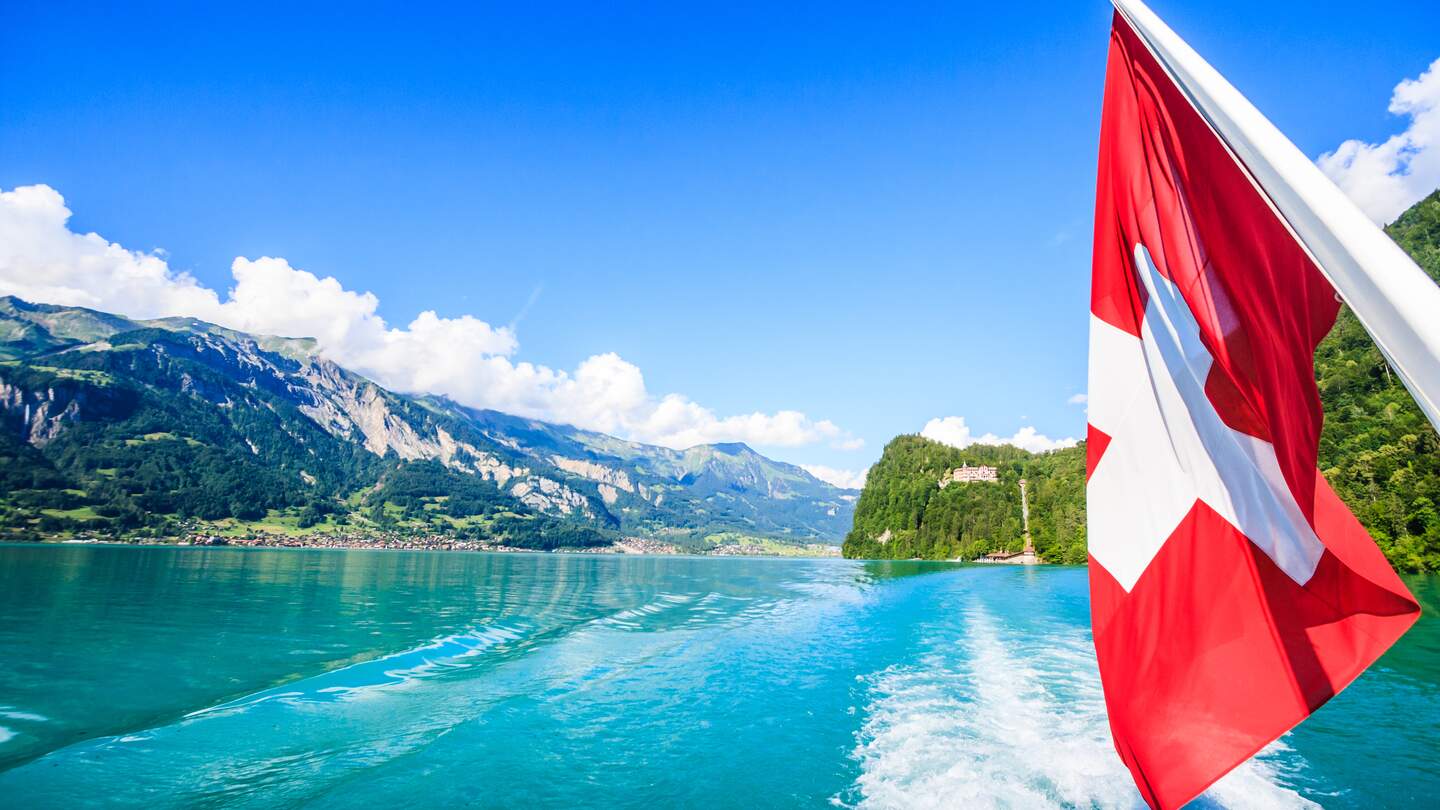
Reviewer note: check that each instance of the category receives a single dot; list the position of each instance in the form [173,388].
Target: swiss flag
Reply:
[1232,592]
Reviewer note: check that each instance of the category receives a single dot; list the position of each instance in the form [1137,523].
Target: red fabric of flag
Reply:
[1232,592]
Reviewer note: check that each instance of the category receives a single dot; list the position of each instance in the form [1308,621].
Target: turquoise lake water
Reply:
[185,677]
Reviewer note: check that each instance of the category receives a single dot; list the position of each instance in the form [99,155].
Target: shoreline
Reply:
[632,546]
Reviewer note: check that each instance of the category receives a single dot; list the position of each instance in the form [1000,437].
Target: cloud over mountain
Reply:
[845,479]
[953,430]
[1386,178]
[464,358]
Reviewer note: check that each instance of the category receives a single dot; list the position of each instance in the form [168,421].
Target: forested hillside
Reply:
[1377,450]
[904,513]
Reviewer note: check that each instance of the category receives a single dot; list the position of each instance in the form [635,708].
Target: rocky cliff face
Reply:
[40,413]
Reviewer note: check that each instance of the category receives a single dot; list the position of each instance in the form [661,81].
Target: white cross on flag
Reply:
[1232,592]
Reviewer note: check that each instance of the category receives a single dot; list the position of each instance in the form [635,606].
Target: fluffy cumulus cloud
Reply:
[953,431]
[1078,399]
[845,479]
[465,358]
[42,260]
[1386,178]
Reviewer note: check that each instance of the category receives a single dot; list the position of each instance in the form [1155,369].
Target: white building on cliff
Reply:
[965,474]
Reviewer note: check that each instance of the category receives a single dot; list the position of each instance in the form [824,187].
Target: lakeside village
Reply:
[965,474]
[398,541]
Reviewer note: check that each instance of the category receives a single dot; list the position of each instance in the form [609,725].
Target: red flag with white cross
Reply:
[1232,592]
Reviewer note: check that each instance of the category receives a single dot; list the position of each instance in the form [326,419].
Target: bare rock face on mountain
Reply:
[153,422]
[42,414]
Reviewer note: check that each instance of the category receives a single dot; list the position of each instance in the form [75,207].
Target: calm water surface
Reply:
[171,677]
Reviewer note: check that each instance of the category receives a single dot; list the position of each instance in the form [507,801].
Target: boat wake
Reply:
[1001,718]
[397,669]
[351,722]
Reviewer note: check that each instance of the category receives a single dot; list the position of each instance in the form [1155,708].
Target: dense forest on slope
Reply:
[1377,450]
[904,513]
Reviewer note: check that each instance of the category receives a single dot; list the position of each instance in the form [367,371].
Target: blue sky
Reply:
[876,215]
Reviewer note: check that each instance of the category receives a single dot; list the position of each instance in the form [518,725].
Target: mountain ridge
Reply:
[79,386]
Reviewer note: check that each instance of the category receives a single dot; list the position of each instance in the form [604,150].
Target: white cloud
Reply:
[1386,178]
[41,259]
[1078,399]
[465,358]
[953,431]
[845,479]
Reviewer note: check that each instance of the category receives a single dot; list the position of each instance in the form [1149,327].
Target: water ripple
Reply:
[432,658]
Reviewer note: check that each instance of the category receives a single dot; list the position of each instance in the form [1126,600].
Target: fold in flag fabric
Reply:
[1232,593]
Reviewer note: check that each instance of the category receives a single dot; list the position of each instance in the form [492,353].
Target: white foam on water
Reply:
[386,673]
[1000,718]
[632,618]
[11,713]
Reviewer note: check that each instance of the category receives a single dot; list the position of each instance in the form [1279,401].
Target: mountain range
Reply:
[117,426]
